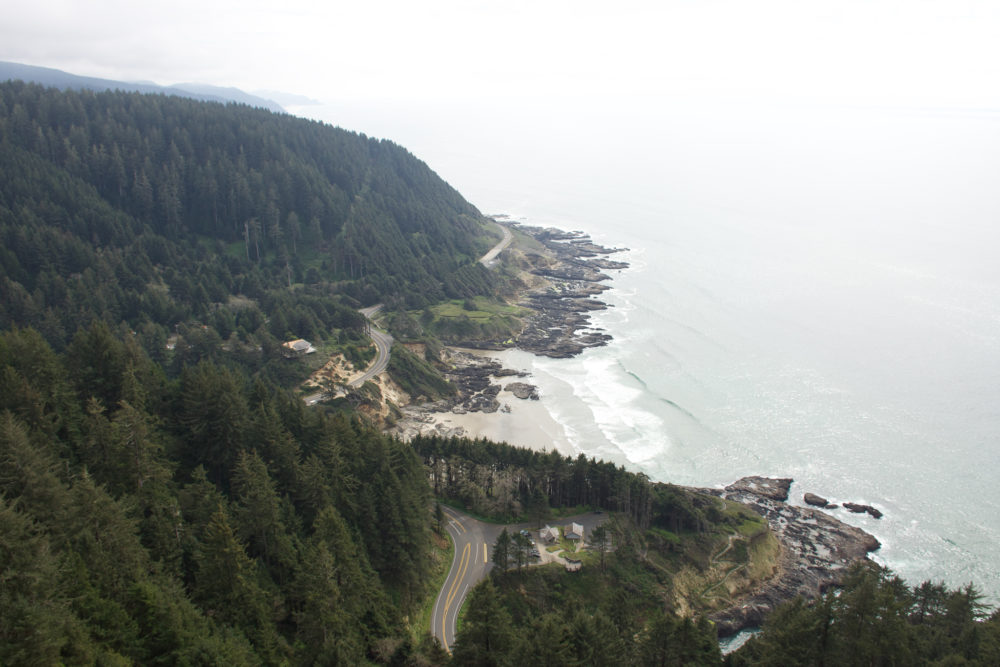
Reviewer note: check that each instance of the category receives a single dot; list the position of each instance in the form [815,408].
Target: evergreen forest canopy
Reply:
[207,520]
[162,215]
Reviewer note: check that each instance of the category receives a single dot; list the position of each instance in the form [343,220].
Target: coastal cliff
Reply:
[816,551]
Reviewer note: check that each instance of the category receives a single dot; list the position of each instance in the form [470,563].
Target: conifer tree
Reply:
[486,637]
[600,539]
[502,551]
[37,622]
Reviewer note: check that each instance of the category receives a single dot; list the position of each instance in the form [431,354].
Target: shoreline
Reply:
[817,548]
[521,421]
[562,274]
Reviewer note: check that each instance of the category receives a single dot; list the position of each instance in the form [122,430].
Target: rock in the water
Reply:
[861,509]
[766,487]
[523,390]
[815,501]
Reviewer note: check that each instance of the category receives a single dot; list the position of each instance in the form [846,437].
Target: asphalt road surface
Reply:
[383,343]
[488,258]
[473,540]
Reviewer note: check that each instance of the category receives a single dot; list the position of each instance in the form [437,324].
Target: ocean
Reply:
[814,293]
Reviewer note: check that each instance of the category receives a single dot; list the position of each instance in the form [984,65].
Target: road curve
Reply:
[383,345]
[470,565]
[489,257]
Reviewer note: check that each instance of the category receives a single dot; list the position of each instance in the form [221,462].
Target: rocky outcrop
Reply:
[473,375]
[816,551]
[573,270]
[523,390]
[861,509]
[815,501]
[765,487]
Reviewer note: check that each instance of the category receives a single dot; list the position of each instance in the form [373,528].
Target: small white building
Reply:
[573,531]
[549,534]
[298,347]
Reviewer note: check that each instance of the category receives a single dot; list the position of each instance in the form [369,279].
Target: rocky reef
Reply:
[858,508]
[476,377]
[815,501]
[572,268]
[816,551]
[569,273]
[523,390]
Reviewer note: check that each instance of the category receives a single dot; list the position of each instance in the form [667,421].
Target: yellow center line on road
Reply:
[455,520]
[484,552]
[462,568]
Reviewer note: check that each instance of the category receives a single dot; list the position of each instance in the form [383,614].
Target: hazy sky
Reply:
[928,51]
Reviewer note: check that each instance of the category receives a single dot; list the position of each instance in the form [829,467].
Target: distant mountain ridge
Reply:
[55,78]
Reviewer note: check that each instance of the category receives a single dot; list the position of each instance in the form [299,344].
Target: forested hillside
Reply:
[509,483]
[163,215]
[163,497]
[877,619]
[207,520]
[654,567]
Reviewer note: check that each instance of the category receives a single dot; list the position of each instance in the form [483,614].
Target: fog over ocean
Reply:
[814,293]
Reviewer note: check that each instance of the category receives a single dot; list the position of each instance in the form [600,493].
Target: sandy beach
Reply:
[521,422]
[528,424]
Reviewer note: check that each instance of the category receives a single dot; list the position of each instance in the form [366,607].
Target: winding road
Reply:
[472,540]
[383,344]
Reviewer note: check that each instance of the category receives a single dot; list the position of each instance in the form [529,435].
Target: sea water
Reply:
[813,293]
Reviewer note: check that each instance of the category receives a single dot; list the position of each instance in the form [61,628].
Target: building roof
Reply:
[300,345]
[549,533]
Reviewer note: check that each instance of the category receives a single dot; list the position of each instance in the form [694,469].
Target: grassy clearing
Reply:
[478,308]
[236,249]
[665,536]
[526,243]
[475,318]
[763,552]
[748,523]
